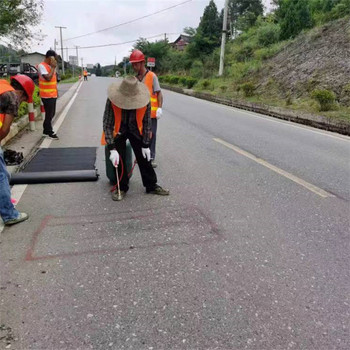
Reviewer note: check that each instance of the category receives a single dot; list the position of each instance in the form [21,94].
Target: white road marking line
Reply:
[292,124]
[16,193]
[45,143]
[280,121]
[279,171]
[18,190]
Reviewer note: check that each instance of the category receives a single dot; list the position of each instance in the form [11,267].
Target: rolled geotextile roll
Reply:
[53,176]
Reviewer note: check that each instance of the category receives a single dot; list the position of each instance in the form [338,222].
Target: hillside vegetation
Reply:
[297,57]
[290,73]
[319,59]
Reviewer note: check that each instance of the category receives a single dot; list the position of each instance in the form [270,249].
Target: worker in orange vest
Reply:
[85,73]
[12,94]
[137,59]
[127,117]
[48,91]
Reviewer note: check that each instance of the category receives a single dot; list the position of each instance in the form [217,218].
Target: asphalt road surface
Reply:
[249,251]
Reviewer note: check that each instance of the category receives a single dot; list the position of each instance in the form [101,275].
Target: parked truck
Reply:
[10,69]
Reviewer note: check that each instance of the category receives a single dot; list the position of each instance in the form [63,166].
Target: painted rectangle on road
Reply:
[59,237]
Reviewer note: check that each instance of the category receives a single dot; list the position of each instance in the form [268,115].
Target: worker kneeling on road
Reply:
[128,116]
[12,94]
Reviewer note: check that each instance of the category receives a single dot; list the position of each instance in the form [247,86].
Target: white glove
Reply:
[114,157]
[159,113]
[146,152]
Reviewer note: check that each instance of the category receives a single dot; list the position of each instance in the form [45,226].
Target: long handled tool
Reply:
[122,172]
[118,185]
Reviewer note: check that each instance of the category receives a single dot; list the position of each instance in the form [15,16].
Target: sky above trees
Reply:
[82,17]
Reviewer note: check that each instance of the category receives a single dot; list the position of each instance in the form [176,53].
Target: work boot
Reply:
[21,217]
[116,197]
[153,163]
[52,136]
[158,190]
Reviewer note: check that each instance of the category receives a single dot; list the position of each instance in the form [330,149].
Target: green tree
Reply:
[158,49]
[190,31]
[341,9]
[294,16]
[208,34]
[320,9]
[18,19]
[243,14]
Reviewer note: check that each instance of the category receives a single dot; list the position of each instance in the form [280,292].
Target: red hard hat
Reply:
[136,56]
[27,84]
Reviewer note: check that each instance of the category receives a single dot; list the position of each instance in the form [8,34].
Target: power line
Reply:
[123,43]
[131,21]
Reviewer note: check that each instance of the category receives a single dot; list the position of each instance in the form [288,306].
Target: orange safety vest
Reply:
[140,113]
[85,73]
[154,97]
[47,89]
[5,86]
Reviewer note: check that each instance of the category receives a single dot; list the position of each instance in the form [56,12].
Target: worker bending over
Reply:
[12,94]
[127,116]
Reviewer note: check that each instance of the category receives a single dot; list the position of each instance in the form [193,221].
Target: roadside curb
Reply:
[317,121]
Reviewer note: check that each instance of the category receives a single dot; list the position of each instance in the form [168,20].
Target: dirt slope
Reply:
[317,59]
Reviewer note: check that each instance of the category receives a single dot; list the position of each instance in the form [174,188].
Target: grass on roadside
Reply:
[225,87]
[69,80]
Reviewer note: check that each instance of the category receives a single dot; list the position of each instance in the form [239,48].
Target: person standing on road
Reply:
[137,59]
[85,73]
[48,90]
[12,94]
[127,116]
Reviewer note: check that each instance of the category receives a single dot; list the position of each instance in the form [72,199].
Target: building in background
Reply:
[33,58]
[181,42]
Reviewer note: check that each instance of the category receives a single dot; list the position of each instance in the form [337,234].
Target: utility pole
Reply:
[82,66]
[67,54]
[61,46]
[54,44]
[77,61]
[223,40]
[164,36]
[76,49]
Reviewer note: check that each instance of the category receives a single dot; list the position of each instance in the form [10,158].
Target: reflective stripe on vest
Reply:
[140,113]
[5,86]
[154,97]
[47,89]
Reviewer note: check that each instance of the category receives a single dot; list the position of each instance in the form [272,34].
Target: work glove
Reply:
[114,157]
[159,113]
[146,152]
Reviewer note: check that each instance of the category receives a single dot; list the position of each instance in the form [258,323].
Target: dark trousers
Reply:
[50,110]
[85,77]
[148,175]
[154,138]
